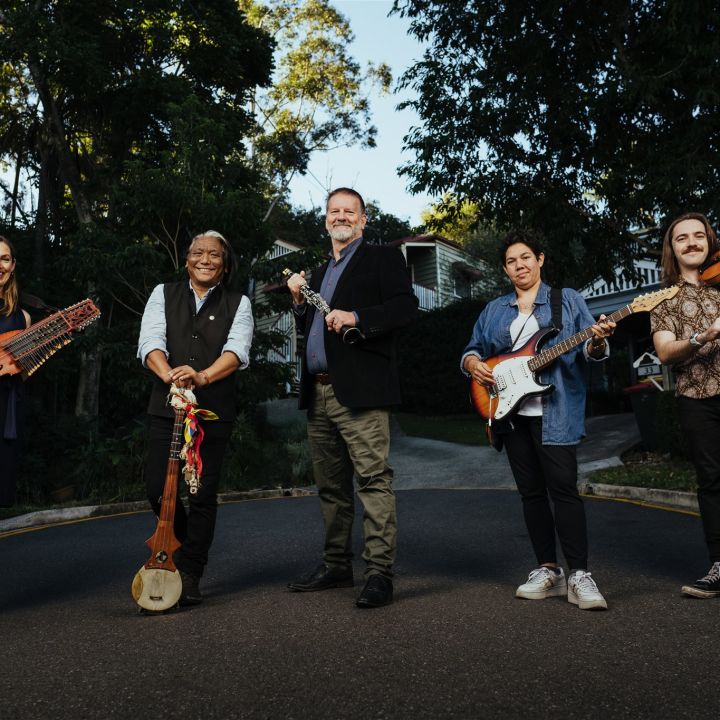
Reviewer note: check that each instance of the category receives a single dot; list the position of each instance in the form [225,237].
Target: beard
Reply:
[341,233]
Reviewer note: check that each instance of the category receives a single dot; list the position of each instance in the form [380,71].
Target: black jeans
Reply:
[700,424]
[548,470]
[194,528]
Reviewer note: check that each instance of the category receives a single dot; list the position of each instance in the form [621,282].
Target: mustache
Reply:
[692,248]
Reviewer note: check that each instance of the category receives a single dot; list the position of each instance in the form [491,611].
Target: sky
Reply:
[373,173]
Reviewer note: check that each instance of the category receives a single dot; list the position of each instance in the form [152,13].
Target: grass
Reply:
[650,471]
[463,429]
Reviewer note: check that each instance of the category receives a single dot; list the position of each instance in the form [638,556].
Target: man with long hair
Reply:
[685,332]
[195,333]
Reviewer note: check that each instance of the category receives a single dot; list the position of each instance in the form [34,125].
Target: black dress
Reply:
[12,408]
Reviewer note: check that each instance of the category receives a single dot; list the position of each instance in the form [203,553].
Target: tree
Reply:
[318,98]
[587,122]
[137,111]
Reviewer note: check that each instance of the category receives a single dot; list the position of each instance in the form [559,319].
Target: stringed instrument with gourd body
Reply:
[515,373]
[157,586]
[24,351]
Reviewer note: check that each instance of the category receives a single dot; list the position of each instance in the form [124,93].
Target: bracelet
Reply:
[204,374]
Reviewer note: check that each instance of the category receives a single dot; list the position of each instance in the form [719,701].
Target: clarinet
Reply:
[351,335]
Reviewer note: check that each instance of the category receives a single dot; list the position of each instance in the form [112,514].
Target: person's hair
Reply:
[10,294]
[669,264]
[519,236]
[346,191]
[229,260]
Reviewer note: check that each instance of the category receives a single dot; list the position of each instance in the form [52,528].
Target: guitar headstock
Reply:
[80,315]
[646,302]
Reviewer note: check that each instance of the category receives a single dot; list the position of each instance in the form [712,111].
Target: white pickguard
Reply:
[514,381]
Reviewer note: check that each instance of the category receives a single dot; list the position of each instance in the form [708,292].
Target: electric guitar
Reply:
[515,373]
[24,351]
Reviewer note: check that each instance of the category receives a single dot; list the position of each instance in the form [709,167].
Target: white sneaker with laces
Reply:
[543,582]
[583,592]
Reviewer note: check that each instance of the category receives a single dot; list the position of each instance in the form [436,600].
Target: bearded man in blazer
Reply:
[349,381]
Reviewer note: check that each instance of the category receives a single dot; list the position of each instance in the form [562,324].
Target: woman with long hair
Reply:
[12,317]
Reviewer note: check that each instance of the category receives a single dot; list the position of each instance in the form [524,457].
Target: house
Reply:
[441,272]
[632,339]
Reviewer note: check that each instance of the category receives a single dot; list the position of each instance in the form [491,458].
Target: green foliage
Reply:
[429,363]
[262,456]
[582,120]
[655,472]
[318,99]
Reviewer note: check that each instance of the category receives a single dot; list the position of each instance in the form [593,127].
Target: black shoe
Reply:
[707,587]
[191,594]
[378,591]
[323,578]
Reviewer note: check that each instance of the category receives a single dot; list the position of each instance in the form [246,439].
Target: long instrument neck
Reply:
[169,498]
[545,357]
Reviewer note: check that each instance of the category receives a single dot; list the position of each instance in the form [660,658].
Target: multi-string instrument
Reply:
[351,335]
[157,585]
[515,373]
[24,351]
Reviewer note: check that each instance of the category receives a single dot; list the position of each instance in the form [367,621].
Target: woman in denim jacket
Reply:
[542,437]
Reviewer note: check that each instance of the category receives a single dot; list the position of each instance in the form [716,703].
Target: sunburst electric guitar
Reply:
[515,373]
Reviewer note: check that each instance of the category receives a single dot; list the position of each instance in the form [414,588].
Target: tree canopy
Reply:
[588,122]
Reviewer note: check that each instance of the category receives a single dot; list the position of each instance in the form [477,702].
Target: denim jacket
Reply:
[564,408]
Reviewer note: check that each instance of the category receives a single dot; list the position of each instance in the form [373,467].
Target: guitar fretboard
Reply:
[545,357]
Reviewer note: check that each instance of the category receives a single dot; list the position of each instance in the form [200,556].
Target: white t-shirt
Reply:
[525,326]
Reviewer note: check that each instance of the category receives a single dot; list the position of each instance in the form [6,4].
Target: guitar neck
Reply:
[545,357]
[167,507]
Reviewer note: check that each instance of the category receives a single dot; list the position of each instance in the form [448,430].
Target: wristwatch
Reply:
[694,340]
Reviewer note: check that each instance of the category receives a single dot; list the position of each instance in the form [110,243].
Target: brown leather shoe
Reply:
[323,578]
[378,591]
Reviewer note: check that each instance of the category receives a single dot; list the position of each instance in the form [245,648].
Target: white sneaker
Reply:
[583,592]
[542,583]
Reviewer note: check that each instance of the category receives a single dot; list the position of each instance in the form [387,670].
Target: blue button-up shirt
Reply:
[564,408]
[315,338]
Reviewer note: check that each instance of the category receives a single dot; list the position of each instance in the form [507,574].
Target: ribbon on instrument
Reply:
[193,434]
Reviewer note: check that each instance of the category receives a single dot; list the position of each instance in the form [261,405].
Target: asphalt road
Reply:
[456,643]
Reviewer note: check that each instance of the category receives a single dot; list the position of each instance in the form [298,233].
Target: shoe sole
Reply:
[599,604]
[339,584]
[696,592]
[557,591]
[368,606]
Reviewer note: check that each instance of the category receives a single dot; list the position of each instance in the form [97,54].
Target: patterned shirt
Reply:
[692,310]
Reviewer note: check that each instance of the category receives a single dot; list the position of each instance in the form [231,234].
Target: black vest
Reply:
[197,340]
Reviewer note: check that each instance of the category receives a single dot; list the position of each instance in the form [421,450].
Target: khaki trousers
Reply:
[344,442]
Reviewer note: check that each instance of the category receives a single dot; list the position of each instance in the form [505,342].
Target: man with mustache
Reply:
[347,389]
[685,332]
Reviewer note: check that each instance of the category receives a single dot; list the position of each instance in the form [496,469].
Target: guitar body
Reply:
[157,586]
[514,380]
[156,590]
[515,373]
[8,366]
